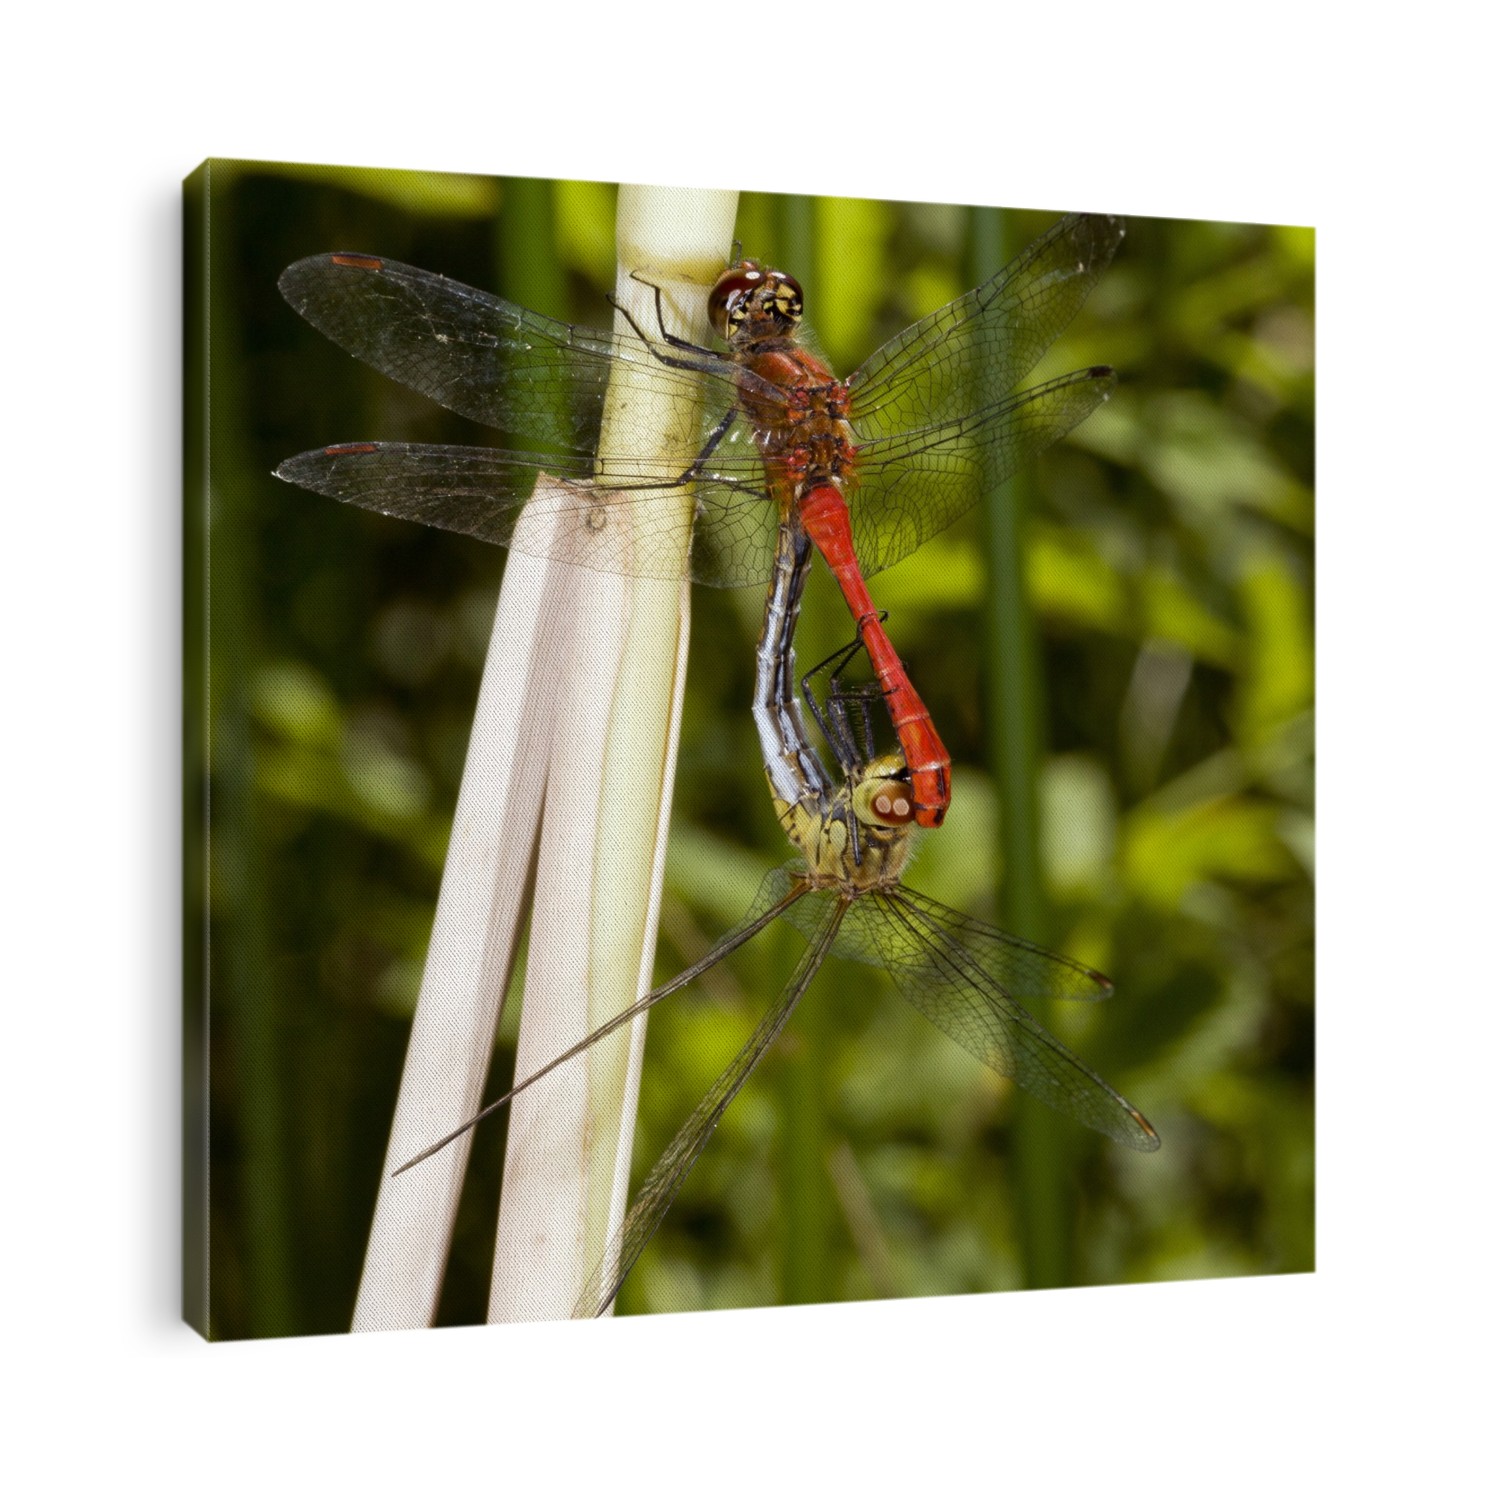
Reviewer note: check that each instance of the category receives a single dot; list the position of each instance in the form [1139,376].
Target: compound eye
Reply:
[787,297]
[884,803]
[727,298]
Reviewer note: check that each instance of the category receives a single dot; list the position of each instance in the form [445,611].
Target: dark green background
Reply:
[1149,684]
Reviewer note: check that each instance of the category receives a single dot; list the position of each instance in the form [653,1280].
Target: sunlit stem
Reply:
[472,945]
[609,781]
[579,701]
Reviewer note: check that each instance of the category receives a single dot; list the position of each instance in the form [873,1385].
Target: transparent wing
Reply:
[911,485]
[666,1177]
[777,891]
[965,977]
[971,354]
[931,411]
[614,527]
[480,355]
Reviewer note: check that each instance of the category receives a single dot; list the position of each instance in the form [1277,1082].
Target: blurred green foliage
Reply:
[1167,557]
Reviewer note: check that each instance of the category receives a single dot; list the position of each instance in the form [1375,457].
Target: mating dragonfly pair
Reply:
[791,460]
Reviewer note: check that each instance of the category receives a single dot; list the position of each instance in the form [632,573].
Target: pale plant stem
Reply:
[471,949]
[581,696]
[568,1152]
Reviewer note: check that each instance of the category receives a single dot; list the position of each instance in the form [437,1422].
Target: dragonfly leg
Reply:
[702,358]
[713,440]
[831,716]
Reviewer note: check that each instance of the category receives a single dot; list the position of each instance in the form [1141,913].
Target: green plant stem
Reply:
[247,1002]
[806,1275]
[1014,719]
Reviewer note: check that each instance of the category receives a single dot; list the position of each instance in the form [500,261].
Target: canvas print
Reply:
[741,749]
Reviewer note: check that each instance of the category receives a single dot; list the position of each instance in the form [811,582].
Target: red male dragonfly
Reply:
[910,440]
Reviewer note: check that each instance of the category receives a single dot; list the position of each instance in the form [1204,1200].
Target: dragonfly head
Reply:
[751,302]
[867,836]
[860,836]
[882,796]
